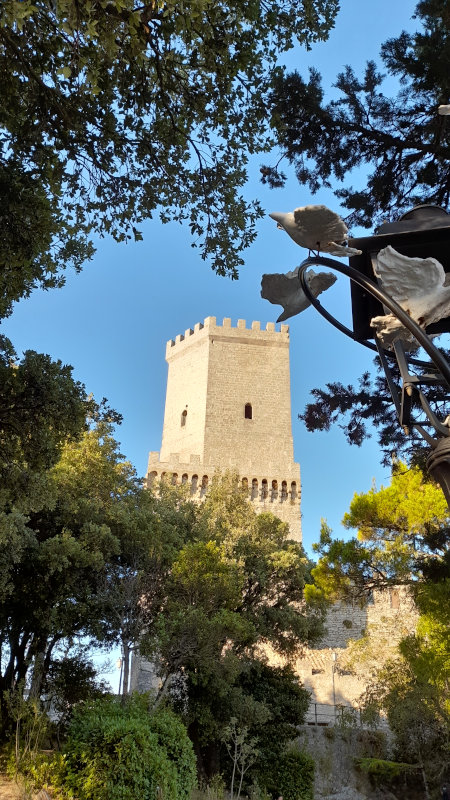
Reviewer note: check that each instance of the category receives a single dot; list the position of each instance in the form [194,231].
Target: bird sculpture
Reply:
[419,285]
[317,228]
[286,290]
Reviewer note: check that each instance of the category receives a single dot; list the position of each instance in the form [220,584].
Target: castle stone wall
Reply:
[228,406]
[326,670]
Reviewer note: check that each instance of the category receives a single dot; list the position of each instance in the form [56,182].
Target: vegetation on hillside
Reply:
[402,539]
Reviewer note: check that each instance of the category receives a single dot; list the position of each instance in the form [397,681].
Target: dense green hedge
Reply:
[384,770]
[121,752]
[291,775]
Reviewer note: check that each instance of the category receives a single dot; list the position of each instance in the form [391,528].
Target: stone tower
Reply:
[228,406]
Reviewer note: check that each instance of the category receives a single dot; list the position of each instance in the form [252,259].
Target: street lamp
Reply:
[423,232]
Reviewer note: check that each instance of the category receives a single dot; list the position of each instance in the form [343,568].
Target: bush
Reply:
[43,771]
[373,744]
[173,738]
[382,771]
[292,776]
[122,752]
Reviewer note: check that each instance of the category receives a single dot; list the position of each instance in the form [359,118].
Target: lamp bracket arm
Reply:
[389,377]
[425,435]
[439,427]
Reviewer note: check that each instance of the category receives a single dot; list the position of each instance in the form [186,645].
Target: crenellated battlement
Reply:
[228,408]
[210,328]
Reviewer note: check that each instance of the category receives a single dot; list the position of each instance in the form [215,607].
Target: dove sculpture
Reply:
[419,285]
[286,290]
[317,228]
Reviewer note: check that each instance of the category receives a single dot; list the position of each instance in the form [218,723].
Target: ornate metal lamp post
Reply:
[423,232]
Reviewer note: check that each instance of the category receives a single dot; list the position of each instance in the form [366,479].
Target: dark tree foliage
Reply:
[402,140]
[112,110]
[405,145]
[287,699]
[41,407]
[369,405]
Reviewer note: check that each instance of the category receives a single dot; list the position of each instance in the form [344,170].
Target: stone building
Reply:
[335,675]
[228,406]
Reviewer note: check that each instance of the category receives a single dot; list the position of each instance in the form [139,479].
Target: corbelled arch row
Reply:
[198,484]
[258,489]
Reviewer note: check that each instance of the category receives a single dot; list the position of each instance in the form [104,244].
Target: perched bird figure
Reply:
[419,285]
[317,228]
[286,290]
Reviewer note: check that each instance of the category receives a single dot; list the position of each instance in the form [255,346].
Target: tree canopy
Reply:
[89,525]
[237,586]
[365,408]
[114,110]
[54,550]
[404,145]
[402,538]
[201,589]
[401,139]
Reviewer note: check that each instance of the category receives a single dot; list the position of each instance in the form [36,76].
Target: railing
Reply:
[343,715]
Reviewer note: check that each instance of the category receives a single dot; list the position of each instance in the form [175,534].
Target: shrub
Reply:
[373,744]
[173,738]
[384,771]
[292,776]
[122,752]
[43,771]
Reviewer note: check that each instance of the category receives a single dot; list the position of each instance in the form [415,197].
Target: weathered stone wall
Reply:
[187,391]
[228,406]
[334,751]
[325,669]
[143,677]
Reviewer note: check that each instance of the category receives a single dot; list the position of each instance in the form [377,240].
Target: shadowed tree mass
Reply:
[402,140]
[404,143]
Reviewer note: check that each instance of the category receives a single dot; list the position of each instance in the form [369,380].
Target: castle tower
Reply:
[228,407]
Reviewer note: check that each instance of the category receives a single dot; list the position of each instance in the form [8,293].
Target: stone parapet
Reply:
[280,495]
[278,469]
[240,332]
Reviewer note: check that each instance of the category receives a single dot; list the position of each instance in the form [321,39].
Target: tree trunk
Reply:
[211,758]
[41,666]
[126,669]
[193,735]
[162,691]
[425,782]
[38,673]
[235,760]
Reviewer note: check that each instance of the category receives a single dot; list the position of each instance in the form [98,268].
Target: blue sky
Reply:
[112,321]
